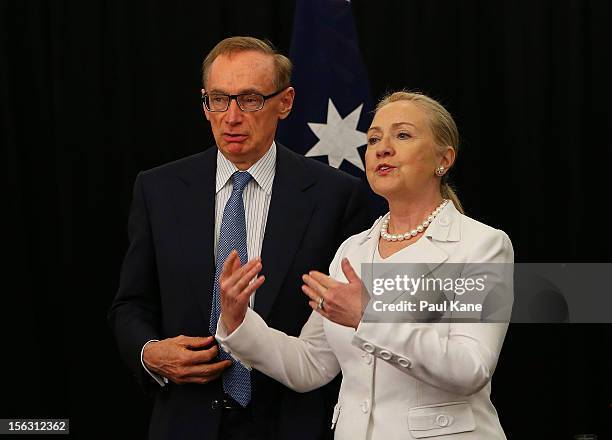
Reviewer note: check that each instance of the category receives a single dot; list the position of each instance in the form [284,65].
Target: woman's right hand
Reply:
[236,289]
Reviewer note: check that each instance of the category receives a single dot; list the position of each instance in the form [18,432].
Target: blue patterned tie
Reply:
[236,379]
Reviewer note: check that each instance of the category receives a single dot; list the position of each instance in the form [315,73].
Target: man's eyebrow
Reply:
[250,90]
[240,92]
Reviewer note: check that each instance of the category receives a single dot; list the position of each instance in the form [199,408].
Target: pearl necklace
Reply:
[401,237]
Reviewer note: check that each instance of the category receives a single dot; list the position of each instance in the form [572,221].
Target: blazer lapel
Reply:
[430,255]
[290,211]
[195,208]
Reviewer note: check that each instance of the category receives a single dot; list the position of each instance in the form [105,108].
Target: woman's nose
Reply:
[384,149]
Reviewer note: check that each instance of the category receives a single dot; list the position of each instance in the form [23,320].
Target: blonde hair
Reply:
[442,125]
[231,45]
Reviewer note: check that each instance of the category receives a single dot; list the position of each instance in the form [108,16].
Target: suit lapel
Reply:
[290,211]
[195,207]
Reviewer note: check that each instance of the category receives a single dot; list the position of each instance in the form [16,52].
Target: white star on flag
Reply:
[339,138]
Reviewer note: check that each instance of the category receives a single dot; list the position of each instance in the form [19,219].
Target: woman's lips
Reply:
[383,170]
[228,137]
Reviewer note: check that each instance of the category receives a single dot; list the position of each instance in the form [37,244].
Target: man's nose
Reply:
[234,114]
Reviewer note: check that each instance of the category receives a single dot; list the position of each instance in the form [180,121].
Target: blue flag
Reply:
[333,105]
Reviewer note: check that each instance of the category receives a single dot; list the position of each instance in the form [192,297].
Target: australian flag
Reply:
[333,104]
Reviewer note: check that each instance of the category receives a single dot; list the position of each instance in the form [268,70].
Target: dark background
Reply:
[94,91]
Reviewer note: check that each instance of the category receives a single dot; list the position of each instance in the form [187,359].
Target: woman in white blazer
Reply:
[401,380]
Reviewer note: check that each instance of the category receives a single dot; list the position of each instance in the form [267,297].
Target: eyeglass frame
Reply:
[205,95]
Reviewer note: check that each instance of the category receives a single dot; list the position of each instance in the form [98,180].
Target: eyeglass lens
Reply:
[247,102]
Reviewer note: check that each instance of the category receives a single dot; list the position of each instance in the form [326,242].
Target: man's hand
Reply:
[236,290]
[185,359]
[338,302]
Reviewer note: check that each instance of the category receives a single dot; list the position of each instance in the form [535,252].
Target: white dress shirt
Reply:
[256,197]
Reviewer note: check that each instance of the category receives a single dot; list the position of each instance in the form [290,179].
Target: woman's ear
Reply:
[448,157]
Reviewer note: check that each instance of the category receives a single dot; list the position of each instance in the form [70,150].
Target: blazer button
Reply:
[367,358]
[442,420]
[368,347]
[403,362]
[365,406]
[215,404]
[444,221]
[385,355]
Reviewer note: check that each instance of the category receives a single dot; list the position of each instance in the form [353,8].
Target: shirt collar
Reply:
[262,171]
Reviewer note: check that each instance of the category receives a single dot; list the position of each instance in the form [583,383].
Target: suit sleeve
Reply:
[460,360]
[135,312]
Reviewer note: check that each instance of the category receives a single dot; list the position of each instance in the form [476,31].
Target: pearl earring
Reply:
[440,171]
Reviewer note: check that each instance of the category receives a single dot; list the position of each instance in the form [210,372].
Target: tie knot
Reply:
[240,179]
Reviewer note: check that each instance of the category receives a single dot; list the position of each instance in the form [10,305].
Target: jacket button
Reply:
[403,362]
[444,221]
[367,358]
[385,355]
[365,406]
[215,404]
[368,347]
[442,420]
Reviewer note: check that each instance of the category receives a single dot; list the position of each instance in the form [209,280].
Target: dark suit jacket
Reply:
[167,281]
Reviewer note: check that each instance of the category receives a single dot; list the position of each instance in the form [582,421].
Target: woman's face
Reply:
[401,157]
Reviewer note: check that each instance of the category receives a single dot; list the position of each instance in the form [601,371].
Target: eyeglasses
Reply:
[247,102]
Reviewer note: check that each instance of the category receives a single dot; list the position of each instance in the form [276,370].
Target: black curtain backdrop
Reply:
[94,91]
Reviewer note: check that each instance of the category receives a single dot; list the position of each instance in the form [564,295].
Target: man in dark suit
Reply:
[248,193]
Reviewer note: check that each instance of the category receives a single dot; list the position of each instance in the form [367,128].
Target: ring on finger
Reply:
[320,303]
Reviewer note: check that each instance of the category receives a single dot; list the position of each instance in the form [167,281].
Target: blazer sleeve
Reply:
[460,360]
[134,315]
[302,364]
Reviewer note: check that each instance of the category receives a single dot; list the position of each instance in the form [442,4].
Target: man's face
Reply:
[244,137]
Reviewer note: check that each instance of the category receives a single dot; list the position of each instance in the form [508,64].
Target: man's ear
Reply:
[286,102]
[204,108]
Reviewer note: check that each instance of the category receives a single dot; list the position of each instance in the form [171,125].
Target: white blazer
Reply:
[399,380]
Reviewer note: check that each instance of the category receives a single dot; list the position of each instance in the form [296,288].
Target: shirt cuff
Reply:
[161,380]
[226,340]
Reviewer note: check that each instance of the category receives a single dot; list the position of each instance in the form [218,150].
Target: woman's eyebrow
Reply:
[397,124]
